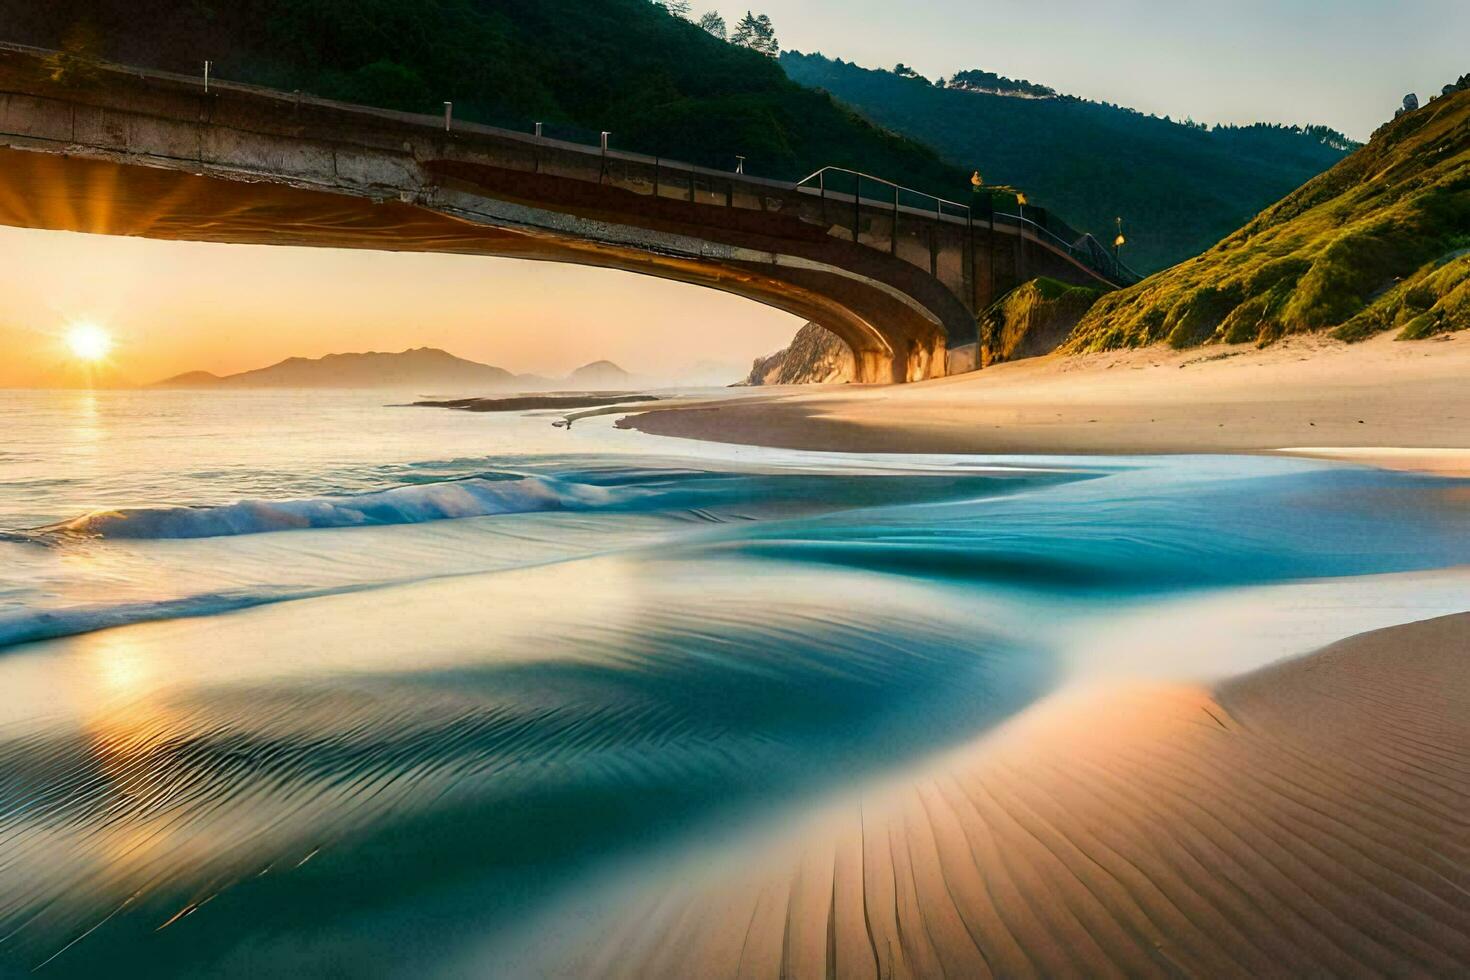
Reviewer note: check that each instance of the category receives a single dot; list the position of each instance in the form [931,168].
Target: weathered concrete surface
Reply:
[124,152]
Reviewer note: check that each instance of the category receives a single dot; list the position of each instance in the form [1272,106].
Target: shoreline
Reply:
[1305,817]
[1403,405]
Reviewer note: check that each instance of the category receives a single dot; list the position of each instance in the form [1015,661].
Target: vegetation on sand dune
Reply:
[1032,319]
[1379,242]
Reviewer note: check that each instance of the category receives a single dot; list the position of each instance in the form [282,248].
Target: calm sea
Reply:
[305,683]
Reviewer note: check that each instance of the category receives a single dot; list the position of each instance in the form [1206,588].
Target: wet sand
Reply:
[1312,817]
[1308,392]
[523,403]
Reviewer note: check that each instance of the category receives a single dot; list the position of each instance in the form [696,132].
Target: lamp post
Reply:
[1021,235]
[1119,242]
[977,185]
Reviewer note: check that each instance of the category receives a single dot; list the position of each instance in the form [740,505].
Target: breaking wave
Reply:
[479,496]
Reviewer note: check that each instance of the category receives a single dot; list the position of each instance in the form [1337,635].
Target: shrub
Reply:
[1195,320]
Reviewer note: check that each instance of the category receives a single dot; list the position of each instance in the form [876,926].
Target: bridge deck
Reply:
[120,150]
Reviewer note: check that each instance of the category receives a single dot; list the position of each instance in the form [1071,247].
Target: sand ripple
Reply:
[1310,818]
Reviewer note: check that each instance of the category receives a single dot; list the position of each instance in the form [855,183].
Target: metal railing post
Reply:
[990,244]
[857,204]
[893,243]
[448,115]
[1021,245]
[206,75]
[538,131]
[970,261]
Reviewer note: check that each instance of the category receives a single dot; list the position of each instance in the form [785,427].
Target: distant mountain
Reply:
[422,368]
[1379,242]
[599,374]
[1178,186]
[189,379]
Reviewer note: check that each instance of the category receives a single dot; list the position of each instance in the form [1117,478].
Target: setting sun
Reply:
[89,341]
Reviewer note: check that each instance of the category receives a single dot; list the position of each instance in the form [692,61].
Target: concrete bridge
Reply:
[899,275]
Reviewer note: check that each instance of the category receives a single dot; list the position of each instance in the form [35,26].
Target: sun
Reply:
[88,341]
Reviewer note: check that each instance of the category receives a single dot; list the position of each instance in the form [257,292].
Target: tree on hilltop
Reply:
[756,33]
[714,24]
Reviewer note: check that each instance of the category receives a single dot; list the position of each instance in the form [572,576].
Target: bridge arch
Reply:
[127,152]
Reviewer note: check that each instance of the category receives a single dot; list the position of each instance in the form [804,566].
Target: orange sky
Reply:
[175,307]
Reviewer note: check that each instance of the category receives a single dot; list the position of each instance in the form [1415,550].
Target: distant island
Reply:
[421,367]
[600,374]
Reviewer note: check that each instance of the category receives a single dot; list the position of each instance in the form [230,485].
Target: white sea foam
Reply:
[476,497]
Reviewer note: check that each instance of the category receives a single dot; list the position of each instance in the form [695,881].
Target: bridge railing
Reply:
[881,213]
[854,187]
[1081,246]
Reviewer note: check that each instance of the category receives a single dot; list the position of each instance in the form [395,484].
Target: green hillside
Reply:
[1380,241]
[658,83]
[1178,187]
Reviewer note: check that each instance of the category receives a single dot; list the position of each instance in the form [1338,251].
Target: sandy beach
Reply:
[1401,404]
[1308,818]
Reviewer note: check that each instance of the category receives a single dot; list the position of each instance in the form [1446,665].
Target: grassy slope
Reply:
[1032,319]
[1178,188]
[660,84]
[1379,241]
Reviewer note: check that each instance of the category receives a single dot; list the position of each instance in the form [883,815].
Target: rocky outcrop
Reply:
[815,356]
[1033,319]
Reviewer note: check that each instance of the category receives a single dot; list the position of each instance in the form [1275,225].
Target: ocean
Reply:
[319,683]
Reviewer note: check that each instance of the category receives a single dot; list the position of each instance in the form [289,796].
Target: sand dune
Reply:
[1313,817]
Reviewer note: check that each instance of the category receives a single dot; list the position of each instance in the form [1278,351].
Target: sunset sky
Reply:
[175,307]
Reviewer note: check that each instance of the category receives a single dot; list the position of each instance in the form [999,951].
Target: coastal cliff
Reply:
[815,356]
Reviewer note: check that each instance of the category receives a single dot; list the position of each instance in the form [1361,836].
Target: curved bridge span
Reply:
[900,276]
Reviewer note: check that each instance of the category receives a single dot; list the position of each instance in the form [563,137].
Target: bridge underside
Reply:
[892,338]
